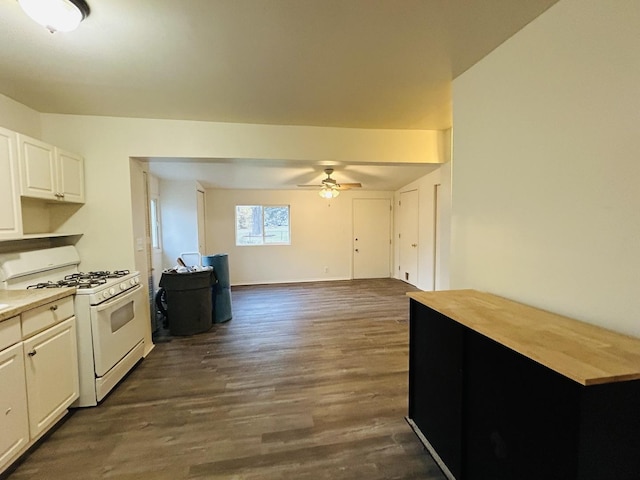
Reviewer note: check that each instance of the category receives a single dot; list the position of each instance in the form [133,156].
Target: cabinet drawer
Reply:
[10,332]
[44,316]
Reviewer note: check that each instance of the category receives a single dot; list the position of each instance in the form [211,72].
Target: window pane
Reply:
[249,225]
[155,224]
[276,225]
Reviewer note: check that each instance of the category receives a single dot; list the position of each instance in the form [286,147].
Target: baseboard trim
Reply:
[430,448]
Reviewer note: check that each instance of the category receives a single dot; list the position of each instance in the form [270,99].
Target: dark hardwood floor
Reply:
[308,381]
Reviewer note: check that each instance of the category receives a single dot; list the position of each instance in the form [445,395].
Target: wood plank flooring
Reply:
[307,381]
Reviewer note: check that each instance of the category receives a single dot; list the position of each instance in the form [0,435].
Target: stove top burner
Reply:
[98,274]
[78,282]
[82,280]
[45,285]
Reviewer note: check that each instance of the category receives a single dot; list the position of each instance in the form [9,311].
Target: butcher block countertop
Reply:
[585,353]
[14,302]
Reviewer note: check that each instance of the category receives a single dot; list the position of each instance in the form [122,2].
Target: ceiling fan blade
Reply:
[347,186]
[314,186]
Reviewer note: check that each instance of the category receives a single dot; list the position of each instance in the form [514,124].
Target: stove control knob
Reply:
[133,281]
[105,294]
[112,291]
[137,280]
[123,286]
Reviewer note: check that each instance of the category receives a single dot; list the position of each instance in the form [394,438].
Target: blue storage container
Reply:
[222,289]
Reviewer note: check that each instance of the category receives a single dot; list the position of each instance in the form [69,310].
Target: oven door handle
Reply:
[119,298]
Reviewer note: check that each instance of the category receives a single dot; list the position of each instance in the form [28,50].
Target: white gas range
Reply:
[109,309]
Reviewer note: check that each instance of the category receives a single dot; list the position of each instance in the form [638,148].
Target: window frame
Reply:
[263,243]
[155,226]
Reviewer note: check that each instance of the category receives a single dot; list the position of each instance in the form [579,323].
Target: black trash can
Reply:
[222,289]
[188,298]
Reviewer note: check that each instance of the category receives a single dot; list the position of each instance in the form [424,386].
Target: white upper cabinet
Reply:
[10,212]
[70,176]
[50,173]
[37,168]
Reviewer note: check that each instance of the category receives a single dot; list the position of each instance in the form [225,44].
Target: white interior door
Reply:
[371,237]
[408,236]
[437,214]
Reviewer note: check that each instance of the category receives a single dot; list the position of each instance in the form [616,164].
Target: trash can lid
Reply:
[187,280]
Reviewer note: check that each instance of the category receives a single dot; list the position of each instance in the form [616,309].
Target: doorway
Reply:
[371,238]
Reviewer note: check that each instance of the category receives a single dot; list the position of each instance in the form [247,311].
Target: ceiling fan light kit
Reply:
[328,192]
[329,188]
[56,15]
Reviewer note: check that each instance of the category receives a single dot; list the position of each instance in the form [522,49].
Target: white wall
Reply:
[426,208]
[139,215]
[108,143]
[19,118]
[546,166]
[179,217]
[321,235]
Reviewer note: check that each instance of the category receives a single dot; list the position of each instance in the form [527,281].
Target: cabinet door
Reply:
[37,169]
[51,366]
[10,215]
[435,382]
[14,426]
[521,417]
[70,176]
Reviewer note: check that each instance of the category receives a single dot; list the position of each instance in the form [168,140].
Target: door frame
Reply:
[401,223]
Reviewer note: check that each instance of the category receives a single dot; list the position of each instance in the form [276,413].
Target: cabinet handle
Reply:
[53,308]
[32,353]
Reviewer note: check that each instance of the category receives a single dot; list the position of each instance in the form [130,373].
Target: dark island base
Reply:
[487,412]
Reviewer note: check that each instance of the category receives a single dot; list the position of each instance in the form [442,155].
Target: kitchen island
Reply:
[502,390]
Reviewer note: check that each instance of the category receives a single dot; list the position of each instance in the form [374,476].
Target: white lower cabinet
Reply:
[51,369]
[38,374]
[14,423]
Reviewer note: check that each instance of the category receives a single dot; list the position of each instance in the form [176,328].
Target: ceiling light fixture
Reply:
[328,192]
[56,15]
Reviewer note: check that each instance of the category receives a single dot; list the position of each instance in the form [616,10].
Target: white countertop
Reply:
[14,302]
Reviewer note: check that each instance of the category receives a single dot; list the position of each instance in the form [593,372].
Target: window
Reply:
[262,225]
[154,213]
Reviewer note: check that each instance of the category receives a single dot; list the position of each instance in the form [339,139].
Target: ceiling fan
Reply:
[330,188]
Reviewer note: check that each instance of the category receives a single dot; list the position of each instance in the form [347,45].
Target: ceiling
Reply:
[285,174]
[343,63]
